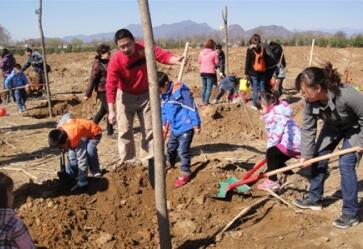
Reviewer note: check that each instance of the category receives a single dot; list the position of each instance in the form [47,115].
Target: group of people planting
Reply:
[121,83]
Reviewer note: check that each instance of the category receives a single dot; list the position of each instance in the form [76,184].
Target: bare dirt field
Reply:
[118,210]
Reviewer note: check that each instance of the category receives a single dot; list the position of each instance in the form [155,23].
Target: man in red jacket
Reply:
[127,87]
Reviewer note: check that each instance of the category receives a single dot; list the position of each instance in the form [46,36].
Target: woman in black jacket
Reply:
[98,81]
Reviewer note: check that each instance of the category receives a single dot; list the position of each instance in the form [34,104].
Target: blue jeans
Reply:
[349,181]
[20,98]
[180,144]
[78,160]
[258,85]
[207,85]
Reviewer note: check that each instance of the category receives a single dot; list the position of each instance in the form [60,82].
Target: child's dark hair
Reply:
[123,33]
[163,79]
[268,98]
[4,52]
[29,50]
[6,186]
[326,77]
[57,138]
[102,49]
[17,66]
[218,46]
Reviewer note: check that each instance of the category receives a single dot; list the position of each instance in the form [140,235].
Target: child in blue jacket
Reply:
[18,82]
[180,113]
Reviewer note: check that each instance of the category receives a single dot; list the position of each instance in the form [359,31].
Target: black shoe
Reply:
[345,221]
[79,189]
[306,203]
[64,177]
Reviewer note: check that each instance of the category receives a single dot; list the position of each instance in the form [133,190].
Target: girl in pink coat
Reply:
[208,61]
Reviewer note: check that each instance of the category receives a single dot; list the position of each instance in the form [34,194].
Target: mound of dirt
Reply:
[102,217]
[59,107]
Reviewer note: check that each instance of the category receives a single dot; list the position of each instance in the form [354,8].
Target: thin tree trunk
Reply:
[225,18]
[160,192]
[39,12]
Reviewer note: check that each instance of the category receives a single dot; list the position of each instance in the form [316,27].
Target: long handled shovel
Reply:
[224,189]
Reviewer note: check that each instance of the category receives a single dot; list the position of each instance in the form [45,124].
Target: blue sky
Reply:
[71,17]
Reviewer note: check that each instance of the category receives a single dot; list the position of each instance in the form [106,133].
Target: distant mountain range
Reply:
[190,29]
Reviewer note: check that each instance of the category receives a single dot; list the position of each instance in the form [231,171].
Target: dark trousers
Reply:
[180,144]
[222,92]
[20,98]
[102,112]
[349,181]
[275,159]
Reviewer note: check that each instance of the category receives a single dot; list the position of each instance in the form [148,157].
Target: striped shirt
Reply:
[13,232]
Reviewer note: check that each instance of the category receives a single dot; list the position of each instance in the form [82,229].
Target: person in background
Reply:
[13,231]
[98,82]
[7,64]
[227,84]
[340,106]
[180,113]
[17,83]
[255,67]
[221,60]
[280,66]
[283,136]
[208,61]
[36,61]
[127,86]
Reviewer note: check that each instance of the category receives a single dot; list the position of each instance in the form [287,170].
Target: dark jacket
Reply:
[36,61]
[7,63]
[342,115]
[98,77]
[250,59]
[221,62]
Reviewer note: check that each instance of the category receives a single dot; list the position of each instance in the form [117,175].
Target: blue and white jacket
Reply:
[178,108]
[15,80]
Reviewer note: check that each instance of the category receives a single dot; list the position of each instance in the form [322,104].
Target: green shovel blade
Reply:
[222,193]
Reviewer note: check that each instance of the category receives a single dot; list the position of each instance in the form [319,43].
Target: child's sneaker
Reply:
[268,184]
[181,180]
[97,175]
[346,221]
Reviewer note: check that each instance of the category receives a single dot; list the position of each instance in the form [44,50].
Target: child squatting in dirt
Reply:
[180,113]
[13,232]
[80,137]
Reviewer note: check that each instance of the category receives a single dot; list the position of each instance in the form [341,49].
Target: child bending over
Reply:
[13,232]
[180,112]
[283,135]
[80,137]
[227,84]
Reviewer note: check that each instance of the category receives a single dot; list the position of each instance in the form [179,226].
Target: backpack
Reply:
[259,65]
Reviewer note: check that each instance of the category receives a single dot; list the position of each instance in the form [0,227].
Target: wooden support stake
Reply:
[39,13]
[160,192]
[311,53]
[240,214]
[271,192]
[21,170]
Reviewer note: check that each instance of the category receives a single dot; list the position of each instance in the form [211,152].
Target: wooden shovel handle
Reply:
[180,75]
[293,166]
[314,160]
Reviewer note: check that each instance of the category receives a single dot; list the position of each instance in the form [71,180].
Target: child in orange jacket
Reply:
[80,137]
